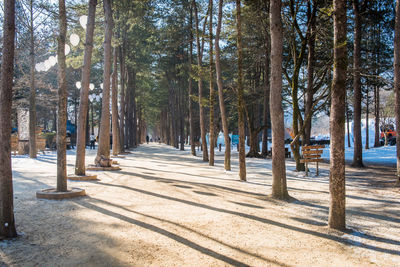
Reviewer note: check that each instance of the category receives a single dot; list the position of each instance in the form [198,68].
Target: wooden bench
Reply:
[14,144]
[288,154]
[40,143]
[311,154]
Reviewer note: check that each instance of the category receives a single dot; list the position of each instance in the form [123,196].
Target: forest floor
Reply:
[168,208]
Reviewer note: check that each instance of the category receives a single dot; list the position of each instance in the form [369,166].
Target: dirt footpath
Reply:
[167,208]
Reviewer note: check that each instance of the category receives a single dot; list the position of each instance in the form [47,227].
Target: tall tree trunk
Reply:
[310,76]
[376,92]
[116,146]
[337,205]
[7,221]
[266,111]
[122,99]
[104,136]
[212,146]
[348,123]
[32,96]
[200,85]
[357,158]
[227,161]
[84,94]
[367,121]
[241,107]
[135,111]
[62,102]
[279,187]
[129,108]
[191,111]
[397,83]
[377,107]
[181,117]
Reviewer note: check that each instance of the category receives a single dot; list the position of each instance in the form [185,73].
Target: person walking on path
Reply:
[147,139]
[92,141]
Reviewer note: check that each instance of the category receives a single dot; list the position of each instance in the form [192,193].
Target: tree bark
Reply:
[377,115]
[104,136]
[7,221]
[397,83]
[241,108]
[84,94]
[266,100]
[200,85]
[348,124]
[279,187]
[357,158]
[377,142]
[116,146]
[310,76]
[212,146]
[337,206]
[62,102]
[122,101]
[32,96]
[367,120]
[227,161]
[191,111]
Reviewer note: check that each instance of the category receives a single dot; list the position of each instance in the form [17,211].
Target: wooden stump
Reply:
[53,194]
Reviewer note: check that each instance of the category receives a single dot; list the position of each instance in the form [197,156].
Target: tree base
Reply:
[285,198]
[53,194]
[117,157]
[97,168]
[253,154]
[75,177]
[357,165]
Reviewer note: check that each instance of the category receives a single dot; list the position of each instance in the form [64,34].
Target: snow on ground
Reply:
[385,155]
[166,207]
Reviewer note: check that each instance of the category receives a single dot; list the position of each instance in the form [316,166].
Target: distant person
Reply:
[147,139]
[92,141]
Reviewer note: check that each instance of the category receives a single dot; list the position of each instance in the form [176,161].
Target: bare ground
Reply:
[167,208]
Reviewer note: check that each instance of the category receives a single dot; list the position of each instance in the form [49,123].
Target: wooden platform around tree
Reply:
[52,193]
[97,168]
[86,177]
[118,157]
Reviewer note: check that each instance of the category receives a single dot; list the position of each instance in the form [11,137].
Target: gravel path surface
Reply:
[168,208]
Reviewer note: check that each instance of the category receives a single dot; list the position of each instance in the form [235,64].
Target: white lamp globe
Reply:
[38,67]
[67,49]
[78,85]
[83,21]
[74,39]
[42,66]
[47,64]
[91,86]
[53,60]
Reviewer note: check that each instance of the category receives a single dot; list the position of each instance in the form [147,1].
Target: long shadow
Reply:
[51,161]
[189,174]
[164,232]
[190,230]
[353,212]
[147,177]
[363,213]
[267,221]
